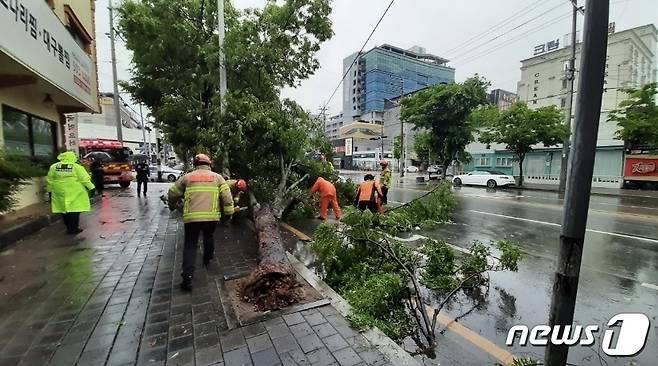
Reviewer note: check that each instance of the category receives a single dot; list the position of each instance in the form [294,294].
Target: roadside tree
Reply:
[519,128]
[422,146]
[444,110]
[637,116]
[259,137]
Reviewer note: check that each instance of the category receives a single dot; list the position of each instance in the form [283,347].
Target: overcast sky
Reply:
[441,26]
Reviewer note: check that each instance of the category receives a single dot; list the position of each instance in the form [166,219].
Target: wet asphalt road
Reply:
[619,271]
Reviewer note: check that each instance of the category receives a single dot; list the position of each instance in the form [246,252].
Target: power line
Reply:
[359,53]
[508,31]
[515,39]
[495,27]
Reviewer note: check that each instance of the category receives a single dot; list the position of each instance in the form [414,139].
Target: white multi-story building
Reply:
[631,62]
[332,126]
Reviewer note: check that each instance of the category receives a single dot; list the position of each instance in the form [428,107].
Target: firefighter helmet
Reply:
[241,185]
[202,159]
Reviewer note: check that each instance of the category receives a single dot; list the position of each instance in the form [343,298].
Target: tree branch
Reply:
[449,296]
[292,186]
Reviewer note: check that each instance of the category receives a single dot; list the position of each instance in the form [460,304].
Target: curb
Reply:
[18,232]
[376,337]
[605,194]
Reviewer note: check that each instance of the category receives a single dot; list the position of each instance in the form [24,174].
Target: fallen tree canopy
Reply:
[273,283]
[386,282]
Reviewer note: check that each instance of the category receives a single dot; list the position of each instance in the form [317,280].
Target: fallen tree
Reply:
[273,283]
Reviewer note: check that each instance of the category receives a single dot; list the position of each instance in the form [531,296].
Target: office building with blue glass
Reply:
[386,72]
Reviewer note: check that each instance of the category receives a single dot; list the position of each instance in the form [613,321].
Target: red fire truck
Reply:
[115,159]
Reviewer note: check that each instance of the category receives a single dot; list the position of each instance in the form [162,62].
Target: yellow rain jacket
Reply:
[203,192]
[68,182]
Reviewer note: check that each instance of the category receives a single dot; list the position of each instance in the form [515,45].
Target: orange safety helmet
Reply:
[202,159]
[241,185]
[383,163]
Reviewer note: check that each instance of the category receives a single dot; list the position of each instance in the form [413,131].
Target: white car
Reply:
[489,178]
[168,174]
[412,169]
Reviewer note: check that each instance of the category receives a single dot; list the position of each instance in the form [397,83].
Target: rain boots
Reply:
[186,284]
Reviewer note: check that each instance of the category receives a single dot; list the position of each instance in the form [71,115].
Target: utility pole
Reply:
[579,177]
[571,76]
[222,59]
[221,30]
[323,113]
[401,132]
[117,107]
[147,148]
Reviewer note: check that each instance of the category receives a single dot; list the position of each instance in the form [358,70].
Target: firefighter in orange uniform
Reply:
[327,196]
[369,194]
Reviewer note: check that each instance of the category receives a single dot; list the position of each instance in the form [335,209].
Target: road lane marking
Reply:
[558,225]
[477,340]
[554,206]
[650,285]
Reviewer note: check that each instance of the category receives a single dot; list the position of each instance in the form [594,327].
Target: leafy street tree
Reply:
[397,152]
[444,110]
[519,128]
[423,146]
[260,137]
[637,116]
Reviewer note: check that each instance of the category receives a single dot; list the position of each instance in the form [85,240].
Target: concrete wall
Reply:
[31,193]
[83,9]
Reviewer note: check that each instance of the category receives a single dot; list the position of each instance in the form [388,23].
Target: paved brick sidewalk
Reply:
[110,296]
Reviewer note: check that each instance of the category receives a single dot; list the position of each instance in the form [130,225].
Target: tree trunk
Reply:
[273,283]
[445,169]
[521,158]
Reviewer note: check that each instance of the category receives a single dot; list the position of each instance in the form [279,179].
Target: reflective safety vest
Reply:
[366,191]
[386,178]
[203,192]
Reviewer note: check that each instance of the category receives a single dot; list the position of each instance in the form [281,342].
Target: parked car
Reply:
[434,172]
[168,174]
[489,178]
[412,169]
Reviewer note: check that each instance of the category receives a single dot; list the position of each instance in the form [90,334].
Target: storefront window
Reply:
[43,132]
[16,132]
[27,135]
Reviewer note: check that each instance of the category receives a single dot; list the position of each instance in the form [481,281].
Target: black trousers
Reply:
[370,205]
[98,182]
[385,197]
[71,221]
[139,185]
[192,231]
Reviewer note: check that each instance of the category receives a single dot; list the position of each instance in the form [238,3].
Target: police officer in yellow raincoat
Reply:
[68,184]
